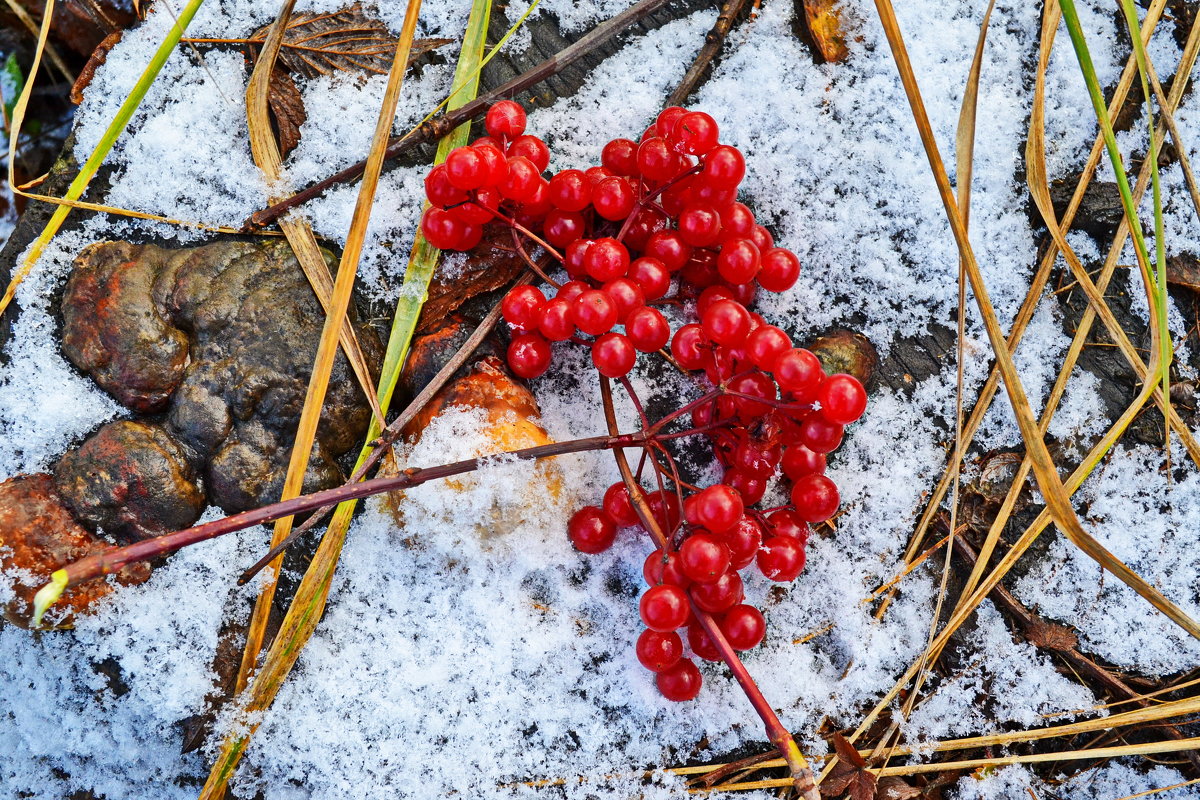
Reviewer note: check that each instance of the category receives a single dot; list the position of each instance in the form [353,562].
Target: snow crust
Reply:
[446,664]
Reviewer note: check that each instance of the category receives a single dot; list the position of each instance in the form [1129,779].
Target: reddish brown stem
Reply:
[439,126]
[778,735]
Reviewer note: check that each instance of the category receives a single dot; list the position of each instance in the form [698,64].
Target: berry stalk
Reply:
[802,775]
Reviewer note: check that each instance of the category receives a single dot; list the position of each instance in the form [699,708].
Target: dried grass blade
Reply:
[92,165]
[309,602]
[1033,296]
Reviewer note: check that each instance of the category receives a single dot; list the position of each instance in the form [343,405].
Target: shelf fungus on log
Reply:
[38,535]
[510,414]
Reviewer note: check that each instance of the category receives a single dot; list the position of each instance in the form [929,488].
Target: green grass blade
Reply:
[92,165]
[1156,275]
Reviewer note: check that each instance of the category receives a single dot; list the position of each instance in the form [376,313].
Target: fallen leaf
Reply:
[893,788]
[287,110]
[98,57]
[825,27]
[850,776]
[1184,270]
[344,41]
[1051,636]
[486,268]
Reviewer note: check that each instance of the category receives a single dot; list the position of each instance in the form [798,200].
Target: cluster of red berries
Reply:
[658,222]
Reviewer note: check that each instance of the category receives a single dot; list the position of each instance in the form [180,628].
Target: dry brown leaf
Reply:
[825,26]
[344,41]
[287,110]
[1184,270]
[488,267]
[850,777]
[98,57]
[894,788]
[1050,636]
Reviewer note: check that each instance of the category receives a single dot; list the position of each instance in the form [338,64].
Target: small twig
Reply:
[442,124]
[714,40]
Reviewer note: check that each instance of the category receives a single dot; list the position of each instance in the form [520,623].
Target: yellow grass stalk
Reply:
[307,606]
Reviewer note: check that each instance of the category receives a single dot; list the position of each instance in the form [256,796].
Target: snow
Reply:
[446,663]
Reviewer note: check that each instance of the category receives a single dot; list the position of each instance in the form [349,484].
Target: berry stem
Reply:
[532,264]
[802,776]
[519,228]
[649,199]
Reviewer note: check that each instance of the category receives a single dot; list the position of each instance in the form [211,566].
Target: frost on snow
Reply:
[447,664]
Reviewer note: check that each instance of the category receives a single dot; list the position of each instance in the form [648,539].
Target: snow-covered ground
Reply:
[455,666]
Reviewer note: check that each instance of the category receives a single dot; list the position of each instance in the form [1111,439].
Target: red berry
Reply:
[647,329]
[780,270]
[665,507]
[606,259]
[481,208]
[669,248]
[627,296]
[717,508]
[537,206]
[493,157]
[570,190]
[819,434]
[647,222]
[534,149]
[751,487]
[738,261]
[724,166]
[573,257]
[618,505]
[703,558]
[815,498]
[657,161]
[563,227]
[695,133]
[596,174]
[554,320]
[446,231]
[521,307]
[664,124]
[765,344]
[762,238]
[655,570]
[756,384]
[613,198]
[651,275]
[737,222]
[620,156]
[613,355]
[799,461]
[743,541]
[440,191]
[699,225]
[843,399]
[719,197]
[743,627]
[690,347]
[571,290]
[466,168]
[711,295]
[505,120]
[715,597]
[726,322]
[594,312]
[658,651]
[781,558]
[786,522]
[681,682]
[757,457]
[529,355]
[701,644]
[798,371]
[591,530]
[521,183]
[664,607]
